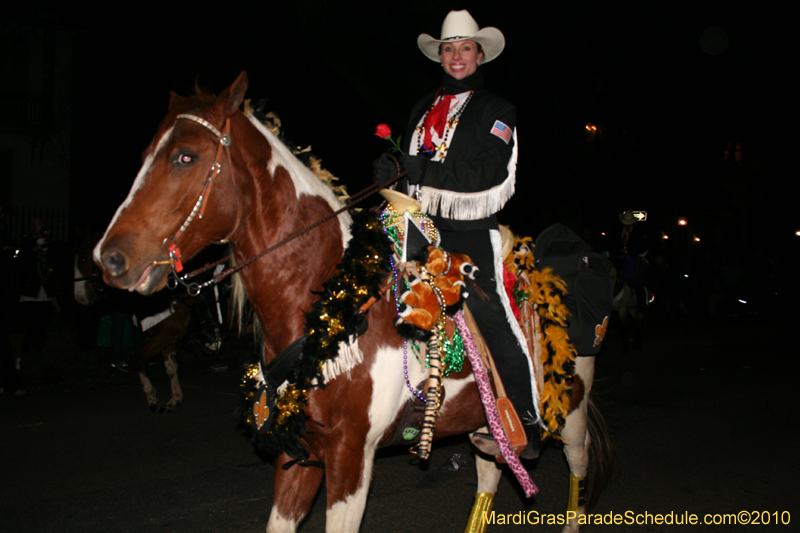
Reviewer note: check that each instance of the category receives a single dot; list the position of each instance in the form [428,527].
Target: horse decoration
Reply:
[182,321]
[341,371]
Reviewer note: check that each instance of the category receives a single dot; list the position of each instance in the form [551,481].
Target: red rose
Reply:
[383,131]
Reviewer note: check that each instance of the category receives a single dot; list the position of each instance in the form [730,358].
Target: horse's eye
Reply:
[182,159]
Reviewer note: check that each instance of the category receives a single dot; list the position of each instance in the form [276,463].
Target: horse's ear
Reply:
[174,100]
[232,97]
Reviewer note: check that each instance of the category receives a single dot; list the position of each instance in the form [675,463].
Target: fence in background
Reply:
[20,221]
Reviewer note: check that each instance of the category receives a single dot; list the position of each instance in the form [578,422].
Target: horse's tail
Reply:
[601,454]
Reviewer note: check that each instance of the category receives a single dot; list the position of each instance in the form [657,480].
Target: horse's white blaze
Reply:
[137,184]
[305,181]
[279,524]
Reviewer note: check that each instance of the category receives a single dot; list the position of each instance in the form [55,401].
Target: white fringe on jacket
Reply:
[471,205]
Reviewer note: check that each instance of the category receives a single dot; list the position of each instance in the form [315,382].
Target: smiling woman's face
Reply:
[461,58]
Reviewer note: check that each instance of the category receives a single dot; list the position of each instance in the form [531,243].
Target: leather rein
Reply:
[171,244]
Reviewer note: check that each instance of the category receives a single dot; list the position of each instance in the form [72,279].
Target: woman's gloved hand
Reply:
[415,165]
[384,168]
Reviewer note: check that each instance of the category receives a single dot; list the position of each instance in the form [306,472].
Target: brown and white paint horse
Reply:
[262,195]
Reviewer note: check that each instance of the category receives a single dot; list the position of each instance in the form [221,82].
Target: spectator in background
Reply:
[38,294]
[8,361]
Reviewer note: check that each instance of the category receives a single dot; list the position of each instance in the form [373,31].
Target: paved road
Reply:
[703,419]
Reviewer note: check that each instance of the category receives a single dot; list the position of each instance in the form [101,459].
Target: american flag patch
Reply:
[501,130]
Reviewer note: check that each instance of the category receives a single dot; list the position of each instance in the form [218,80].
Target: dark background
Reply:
[692,105]
[667,99]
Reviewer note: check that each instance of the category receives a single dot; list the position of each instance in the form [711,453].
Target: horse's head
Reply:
[183,197]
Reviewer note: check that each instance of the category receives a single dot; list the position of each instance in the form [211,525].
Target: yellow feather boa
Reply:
[558,354]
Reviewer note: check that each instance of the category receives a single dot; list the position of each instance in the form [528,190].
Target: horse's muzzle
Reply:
[114,263]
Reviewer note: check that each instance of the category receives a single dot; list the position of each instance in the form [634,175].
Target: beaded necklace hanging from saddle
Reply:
[436,120]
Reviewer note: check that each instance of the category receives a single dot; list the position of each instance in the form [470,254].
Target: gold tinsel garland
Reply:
[558,354]
[334,319]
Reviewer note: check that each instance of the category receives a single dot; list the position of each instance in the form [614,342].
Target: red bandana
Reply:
[436,119]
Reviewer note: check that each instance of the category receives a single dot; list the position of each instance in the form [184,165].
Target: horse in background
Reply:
[262,195]
[166,326]
[631,299]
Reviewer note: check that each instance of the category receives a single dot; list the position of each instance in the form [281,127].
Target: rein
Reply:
[174,251]
[372,189]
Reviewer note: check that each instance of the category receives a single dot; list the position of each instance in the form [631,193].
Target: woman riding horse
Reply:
[461,163]
[213,173]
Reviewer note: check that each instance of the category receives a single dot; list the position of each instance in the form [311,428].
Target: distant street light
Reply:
[682,221]
[591,132]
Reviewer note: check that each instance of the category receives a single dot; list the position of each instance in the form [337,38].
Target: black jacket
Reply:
[474,180]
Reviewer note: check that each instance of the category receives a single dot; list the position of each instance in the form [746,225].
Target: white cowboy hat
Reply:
[460,26]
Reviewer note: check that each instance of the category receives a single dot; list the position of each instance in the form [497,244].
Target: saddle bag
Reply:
[589,278]
[512,425]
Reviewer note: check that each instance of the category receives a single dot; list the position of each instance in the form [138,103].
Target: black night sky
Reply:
[669,91]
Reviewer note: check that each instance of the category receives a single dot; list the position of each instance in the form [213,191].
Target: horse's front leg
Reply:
[172,371]
[489,474]
[348,477]
[148,388]
[295,489]
[576,445]
[149,391]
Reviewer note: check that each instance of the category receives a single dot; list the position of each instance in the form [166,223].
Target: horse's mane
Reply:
[309,178]
[274,124]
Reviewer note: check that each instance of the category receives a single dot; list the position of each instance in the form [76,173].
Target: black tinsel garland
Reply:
[334,318]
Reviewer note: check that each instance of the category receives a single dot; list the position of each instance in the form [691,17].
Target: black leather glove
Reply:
[415,165]
[384,169]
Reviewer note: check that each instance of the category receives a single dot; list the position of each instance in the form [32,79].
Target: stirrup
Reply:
[485,443]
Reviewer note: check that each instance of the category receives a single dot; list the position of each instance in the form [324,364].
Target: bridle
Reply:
[171,243]
[174,251]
